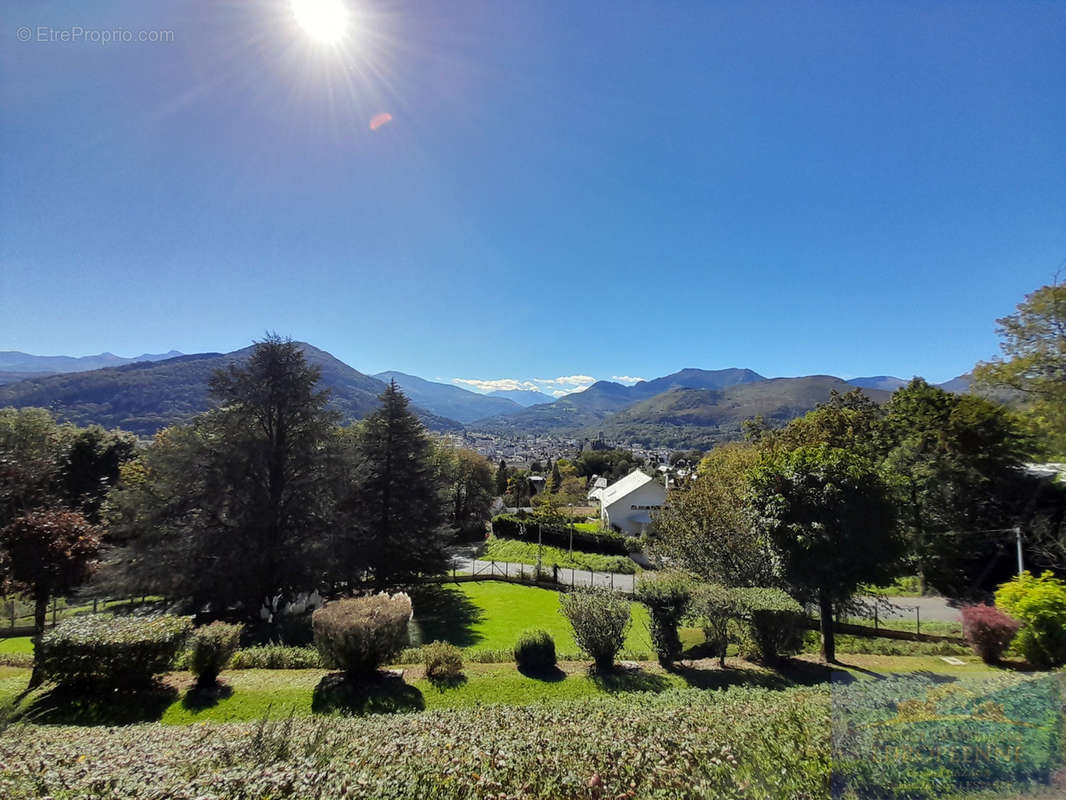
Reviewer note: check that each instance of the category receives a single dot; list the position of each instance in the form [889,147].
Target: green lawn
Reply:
[588,527]
[248,695]
[910,624]
[17,644]
[489,615]
[526,553]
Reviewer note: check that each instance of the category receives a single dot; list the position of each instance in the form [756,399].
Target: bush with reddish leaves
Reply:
[988,630]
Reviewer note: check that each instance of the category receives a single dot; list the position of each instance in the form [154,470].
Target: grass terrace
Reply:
[518,552]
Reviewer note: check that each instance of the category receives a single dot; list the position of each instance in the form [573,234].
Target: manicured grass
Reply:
[489,615]
[588,527]
[249,695]
[910,624]
[526,553]
[17,644]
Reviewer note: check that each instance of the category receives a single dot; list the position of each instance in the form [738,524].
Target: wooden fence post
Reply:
[918,619]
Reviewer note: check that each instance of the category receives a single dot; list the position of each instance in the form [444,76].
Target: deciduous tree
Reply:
[46,554]
[1034,361]
[955,464]
[707,529]
[832,522]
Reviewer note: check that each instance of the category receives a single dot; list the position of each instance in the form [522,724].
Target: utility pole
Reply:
[1018,541]
[540,547]
[571,514]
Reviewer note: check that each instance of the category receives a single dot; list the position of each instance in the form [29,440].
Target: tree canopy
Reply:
[1034,362]
[831,518]
[393,515]
[232,509]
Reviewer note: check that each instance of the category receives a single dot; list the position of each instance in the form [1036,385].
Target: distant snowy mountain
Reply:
[523,397]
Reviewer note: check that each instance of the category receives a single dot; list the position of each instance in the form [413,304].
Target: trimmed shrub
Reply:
[1040,604]
[772,624]
[361,634]
[98,650]
[600,619]
[509,526]
[444,661]
[535,651]
[667,596]
[715,608]
[210,648]
[988,630]
[276,656]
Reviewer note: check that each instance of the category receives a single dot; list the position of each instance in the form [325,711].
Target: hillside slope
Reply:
[603,398]
[144,397]
[703,417]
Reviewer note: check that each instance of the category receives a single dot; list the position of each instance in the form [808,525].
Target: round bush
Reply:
[988,630]
[1040,604]
[535,651]
[444,661]
[600,619]
[361,634]
[210,648]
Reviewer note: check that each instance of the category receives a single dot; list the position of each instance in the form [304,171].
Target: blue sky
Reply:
[565,188]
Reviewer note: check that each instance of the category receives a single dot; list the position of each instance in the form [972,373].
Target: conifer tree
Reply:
[395,511]
[501,478]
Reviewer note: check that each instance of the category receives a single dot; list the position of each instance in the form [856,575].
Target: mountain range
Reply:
[688,408]
[18,362]
[146,396]
[450,401]
[524,397]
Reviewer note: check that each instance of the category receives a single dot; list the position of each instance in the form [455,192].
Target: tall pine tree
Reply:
[234,509]
[395,512]
[502,474]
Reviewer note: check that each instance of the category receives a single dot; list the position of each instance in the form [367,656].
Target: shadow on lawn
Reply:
[451,682]
[80,706]
[383,693]
[550,675]
[629,680]
[444,615]
[199,699]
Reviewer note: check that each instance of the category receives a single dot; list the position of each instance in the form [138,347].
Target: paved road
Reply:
[929,608]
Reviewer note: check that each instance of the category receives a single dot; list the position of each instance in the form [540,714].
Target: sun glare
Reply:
[325,21]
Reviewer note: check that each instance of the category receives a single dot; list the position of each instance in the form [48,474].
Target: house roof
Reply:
[619,489]
[1056,471]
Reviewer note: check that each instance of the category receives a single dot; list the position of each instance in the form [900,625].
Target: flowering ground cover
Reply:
[741,743]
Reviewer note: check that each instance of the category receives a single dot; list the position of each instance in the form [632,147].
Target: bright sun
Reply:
[325,21]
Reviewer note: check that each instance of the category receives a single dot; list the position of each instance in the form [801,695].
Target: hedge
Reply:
[509,526]
[769,620]
[100,650]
